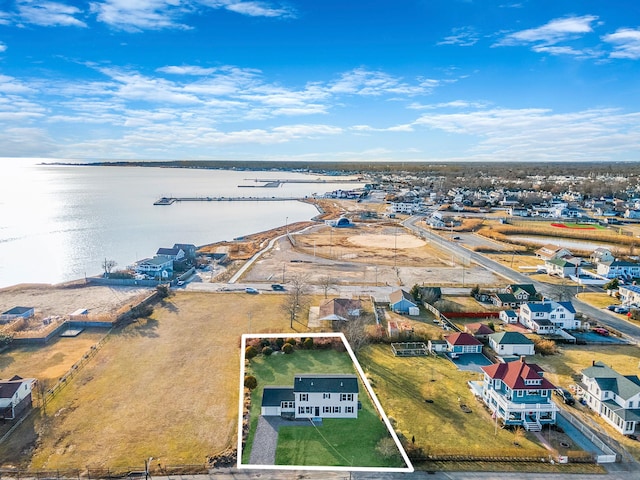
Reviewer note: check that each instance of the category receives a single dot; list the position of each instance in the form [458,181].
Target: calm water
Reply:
[59,223]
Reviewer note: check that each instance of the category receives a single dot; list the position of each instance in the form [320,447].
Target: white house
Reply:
[508,316]
[159,267]
[619,269]
[405,207]
[175,253]
[511,343]
[547,317]
[15,396]
[561,267]
[552,251]
[601,254]
[629,294]
[518,394]
[615,397]
[313,396]
[631,213]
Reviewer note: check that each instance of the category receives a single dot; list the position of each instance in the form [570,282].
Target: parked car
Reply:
[180,283]
[456,238]
[612,307]
[251,290]
[277,287]
[621,310]
[566,396]
[601,331]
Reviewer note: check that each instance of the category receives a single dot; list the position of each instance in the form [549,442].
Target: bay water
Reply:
[60,222]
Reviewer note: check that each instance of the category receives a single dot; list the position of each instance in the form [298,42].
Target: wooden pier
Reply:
[172,200]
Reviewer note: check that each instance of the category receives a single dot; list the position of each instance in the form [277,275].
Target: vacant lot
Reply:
[165,387]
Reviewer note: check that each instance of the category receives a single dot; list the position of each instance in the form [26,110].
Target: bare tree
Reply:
[327,283]
[42,387]
[108,266]
[355,332]
[296,297]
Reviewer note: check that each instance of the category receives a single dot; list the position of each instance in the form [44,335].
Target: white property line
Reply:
[409,468]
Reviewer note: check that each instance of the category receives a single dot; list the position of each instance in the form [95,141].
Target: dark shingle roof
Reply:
[273,396]
[510,338]
[333,383]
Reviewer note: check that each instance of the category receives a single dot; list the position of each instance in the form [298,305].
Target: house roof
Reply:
[9,387]
[510,313]
[630,288]
[527,287]
[399,295]
[155,261]
[462,338]
[626,414]
[479,328]
[549,306]
[561,262]
[333,383]
[272,396]
[506,297]
[514,374]
[620,263]
[338,308]
[168,251]
[510,338]
[17,311]
[625,386]
[550,250]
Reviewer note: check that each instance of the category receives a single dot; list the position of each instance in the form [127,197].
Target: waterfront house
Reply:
[548,317]
[172,253]
[518,394]
[615,397]
[601,254]
[561,267]
[189,249]
[511,343]
[313,396]
[15,397]
[461,342]
[401,301]
[157,267]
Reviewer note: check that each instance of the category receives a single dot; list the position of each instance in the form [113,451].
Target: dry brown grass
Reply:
[517,261]
[165,387]
[598,300]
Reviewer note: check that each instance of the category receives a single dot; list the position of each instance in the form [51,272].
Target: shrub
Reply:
[308,343]
[544,346]
[492,326]
[267,351]
[279,342]
[287,348]
[250,382]
[250,352]
[141,311]
[163,290]
[265,342]
[291,341]
[612,285]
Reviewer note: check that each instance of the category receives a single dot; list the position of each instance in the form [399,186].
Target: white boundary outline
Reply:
[364,380]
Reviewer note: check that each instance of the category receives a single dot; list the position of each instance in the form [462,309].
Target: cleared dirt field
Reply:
[63,300]
[165,387]
[368,254]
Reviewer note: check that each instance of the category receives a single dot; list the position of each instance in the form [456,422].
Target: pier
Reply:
[316,180]
[172,200]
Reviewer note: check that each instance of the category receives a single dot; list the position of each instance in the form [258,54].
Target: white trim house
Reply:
[619,269]
[548,317]
[629,294]
[157,267]
[518,394]
[314,396]
[615,397]
[511,343]
[15,396]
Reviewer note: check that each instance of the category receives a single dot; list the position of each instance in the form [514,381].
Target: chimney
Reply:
[522,357]
[593,363]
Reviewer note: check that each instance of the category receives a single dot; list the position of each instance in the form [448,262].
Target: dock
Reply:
[172,200]
[292,180]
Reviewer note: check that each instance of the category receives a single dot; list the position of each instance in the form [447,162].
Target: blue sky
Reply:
[403,80]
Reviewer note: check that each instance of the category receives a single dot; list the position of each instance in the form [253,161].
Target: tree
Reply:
[612,284]
[475,291]
[327,283]
[355,332]
[108,266]
[266,351]
[250,352]
[42,387]
[295,298]
[287,348]
[308,343]
[250,382]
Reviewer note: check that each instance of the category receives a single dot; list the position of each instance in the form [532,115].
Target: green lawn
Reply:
[354,439]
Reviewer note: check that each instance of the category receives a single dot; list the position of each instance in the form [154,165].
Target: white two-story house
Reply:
[518,394]
[15,397]
[618,269]
[615,397]
[548,317]
[157,267]
[314,396]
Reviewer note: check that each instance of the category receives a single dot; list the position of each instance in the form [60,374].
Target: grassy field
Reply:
[403,384]
[354,439]
[598,300]
[165,387]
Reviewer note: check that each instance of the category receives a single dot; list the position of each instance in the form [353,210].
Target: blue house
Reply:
[461,342]
[400,301]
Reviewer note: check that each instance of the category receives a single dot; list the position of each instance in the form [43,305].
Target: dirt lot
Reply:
[368,254]
[62,300]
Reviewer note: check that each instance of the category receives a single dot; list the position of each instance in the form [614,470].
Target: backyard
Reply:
[337,442]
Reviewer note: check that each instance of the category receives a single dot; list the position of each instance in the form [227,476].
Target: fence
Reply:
[471,314]
[124,282]
[608,455]
[90,473]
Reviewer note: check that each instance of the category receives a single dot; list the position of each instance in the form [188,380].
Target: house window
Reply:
[326,409]
[533,392]
[300,409]
[304,397]
[346,397]
[520,393]
[350,410]
[287,404]
[326,395]
[562,315]
[337,409]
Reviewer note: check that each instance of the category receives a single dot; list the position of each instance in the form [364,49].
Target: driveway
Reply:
[471,362]
[265,441]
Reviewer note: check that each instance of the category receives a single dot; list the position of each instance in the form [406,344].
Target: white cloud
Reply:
[250,8]
[3,47]
[361,81]
[463,36]
[187,70]
[545,39]
[49,14]
[5,18]
[626,43]
[138,15]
